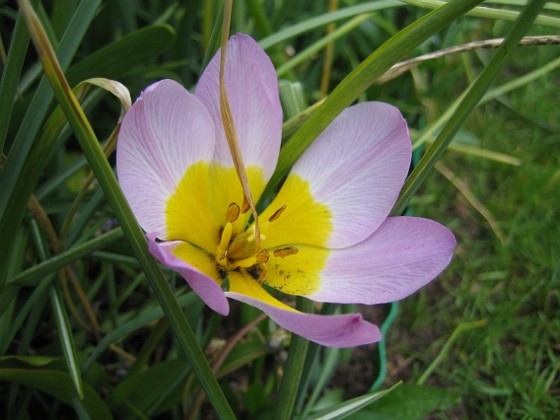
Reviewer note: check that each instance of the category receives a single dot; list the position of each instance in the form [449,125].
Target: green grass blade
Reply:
[42,374]
[15,181]
[429,134]
[10,76]
[62,322]
[489,12]
[362,77]
[321,43]
[124,54]
[31,302]
[465,326]
[325,19]
[30,276]
[66,339]
[134,324]
[467,104]
[287,392]
[351,406]
[106,178]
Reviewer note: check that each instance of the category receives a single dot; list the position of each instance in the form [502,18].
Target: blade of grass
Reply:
[332,358]
[471,198]
[492,94]
[404,66]
[351,406]
[15,181]
[137,322]
[11,74]
[324,19]
[465,326]
[468,103]
[489,12]
[294,365]
[361,78]
[62,321]
[92,149]
[321,43]
[328,55]
[66,339]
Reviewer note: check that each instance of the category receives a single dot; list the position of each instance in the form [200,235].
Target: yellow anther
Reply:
[277,214]
[262,256]
[232,213]
[226,237]
[284,252]
[245,206]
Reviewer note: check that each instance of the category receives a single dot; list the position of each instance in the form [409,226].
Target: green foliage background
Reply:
[92,341]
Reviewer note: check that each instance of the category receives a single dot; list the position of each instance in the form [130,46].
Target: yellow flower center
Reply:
[241,252]
[219,241]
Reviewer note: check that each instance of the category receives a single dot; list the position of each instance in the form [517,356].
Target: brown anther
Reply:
[277,214]
[232,213]
[262,275]
[284,252]
[262,256]
[245,206]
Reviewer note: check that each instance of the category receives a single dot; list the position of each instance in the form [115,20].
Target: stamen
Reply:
[245,206]
[232,213]
[284,252]
[226,237]
[262,256]
[259,258]
[277,214]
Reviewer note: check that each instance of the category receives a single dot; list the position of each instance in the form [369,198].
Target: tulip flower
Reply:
[326,235]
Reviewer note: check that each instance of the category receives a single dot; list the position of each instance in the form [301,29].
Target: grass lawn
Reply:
[508,365]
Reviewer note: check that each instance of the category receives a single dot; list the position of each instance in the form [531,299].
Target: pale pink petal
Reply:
[166,130]
[403,255]
[328,330]
[203,285]
[357,167]
[252,88]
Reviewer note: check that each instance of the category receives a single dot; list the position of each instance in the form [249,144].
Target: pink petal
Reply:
[166,130]
[203,285]
[252,88]
[403,255]
[328,330]
[357,167]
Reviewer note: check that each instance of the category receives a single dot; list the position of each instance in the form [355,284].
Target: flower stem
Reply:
[292,373]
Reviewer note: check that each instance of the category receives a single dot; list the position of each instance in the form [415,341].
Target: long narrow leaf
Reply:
[10,76]
[351,406]
[468,103]
[67,340]
[322,20]
[90,145]
[37,272]
[294,365]
[489,12]
[15,175]
[362,77]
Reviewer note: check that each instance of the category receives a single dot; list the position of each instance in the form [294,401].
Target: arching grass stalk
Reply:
[468,103]
[92,149]
[363,76]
